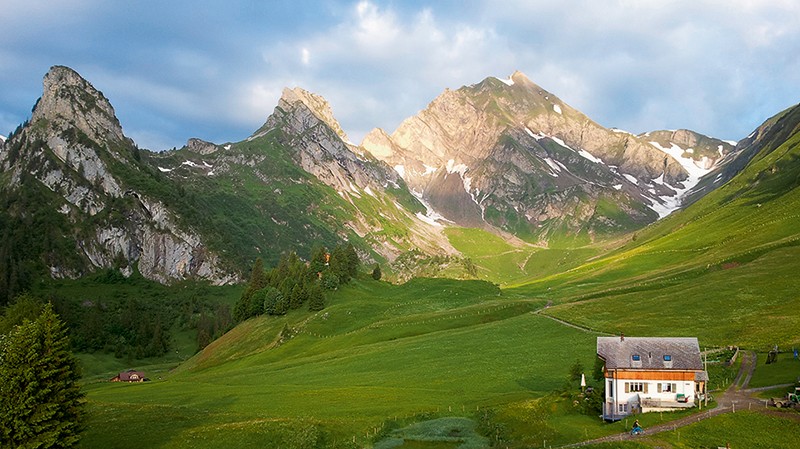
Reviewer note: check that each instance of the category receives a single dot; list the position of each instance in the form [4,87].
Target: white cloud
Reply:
[381,65]
[720,67]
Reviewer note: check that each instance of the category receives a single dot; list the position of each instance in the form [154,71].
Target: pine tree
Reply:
[258,278]
[316,298]
[296,297]
[245,307]
[41,401]
[339,264]
[353,261]
[376,272]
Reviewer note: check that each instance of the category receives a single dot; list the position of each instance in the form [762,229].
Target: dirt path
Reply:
[565,323]
[736,397]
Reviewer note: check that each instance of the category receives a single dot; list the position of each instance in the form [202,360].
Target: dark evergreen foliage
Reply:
[376,273]
[294,283]
[41,403]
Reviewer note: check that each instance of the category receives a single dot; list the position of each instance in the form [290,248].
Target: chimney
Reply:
[621,337]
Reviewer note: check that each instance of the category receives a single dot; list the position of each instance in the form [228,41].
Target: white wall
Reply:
[649,390]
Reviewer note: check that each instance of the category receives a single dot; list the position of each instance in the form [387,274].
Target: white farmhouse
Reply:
[646,374]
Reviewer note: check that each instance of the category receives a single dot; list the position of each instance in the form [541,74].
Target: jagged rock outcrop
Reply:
[321,146]
[508,153]
[201,146]
[75,147]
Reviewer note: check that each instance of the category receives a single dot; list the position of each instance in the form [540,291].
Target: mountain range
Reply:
[504,155]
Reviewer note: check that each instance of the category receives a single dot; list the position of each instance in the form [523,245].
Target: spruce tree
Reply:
[376,272]
[41,401]
[316,298]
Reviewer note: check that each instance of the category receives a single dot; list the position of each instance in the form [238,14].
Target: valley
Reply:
[503,256]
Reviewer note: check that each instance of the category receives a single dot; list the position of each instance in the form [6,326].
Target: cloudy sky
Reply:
[215,70]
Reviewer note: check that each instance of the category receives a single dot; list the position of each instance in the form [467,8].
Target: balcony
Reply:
[656,403]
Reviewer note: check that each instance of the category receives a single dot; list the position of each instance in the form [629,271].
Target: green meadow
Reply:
[377,353]
[440,363]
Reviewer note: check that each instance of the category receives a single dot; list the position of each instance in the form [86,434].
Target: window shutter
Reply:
[645,387]
[627,387]
[659,388]
[674,388]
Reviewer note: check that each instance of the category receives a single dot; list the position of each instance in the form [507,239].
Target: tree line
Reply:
[294,283]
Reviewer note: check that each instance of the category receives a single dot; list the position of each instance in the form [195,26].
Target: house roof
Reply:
[127,375]
[619,353]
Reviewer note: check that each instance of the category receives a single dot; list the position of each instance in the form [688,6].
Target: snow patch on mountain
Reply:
[631,178]
[429,170]
[557,108]
[665,205]
[165,170]
[2,138]
[508,81]
[621,131]
[430,216]
[589,156]
[686,162]
[554,165]
[452,167]
[401,170]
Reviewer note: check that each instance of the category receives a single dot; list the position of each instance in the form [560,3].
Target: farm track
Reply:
[736,396]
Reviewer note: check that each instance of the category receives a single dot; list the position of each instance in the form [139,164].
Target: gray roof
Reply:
[619,353]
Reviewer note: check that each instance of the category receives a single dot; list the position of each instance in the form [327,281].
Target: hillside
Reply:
[79,196]
[723,268]
[381,358]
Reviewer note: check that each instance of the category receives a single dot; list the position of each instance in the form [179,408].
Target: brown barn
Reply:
[129,376]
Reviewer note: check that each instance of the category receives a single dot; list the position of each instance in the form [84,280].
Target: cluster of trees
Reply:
[294,283]
[130,318]
[41,402]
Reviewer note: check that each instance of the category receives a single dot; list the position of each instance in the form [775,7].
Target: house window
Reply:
[667,358]
[636,358]
[622,408]
[634,387]
[667,388]
[610,388]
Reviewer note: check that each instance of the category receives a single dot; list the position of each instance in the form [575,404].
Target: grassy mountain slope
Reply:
[724,269]
[382,356]
[377,353]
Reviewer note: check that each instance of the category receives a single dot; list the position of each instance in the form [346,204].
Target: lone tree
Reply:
[376,272]
[41,401]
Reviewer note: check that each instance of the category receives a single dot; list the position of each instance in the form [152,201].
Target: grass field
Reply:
[378,352]
[438,363]
[741,430]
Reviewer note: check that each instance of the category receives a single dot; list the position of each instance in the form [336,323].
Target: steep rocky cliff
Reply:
[299,182]
[508,153]
[110,212]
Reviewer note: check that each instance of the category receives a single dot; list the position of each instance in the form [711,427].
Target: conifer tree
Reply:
[339,264]
[245,308]
[41,401]
[296,297]
[376,272]
[316,297]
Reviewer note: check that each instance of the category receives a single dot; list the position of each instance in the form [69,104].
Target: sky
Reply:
[215,70]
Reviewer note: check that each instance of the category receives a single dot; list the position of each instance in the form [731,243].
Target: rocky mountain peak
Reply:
[69,100]
[293,98]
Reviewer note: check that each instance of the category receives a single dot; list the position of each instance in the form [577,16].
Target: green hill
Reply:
[378,354]
[723,269]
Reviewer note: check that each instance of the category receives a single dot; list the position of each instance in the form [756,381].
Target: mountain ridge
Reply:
[500,154]
[477,129]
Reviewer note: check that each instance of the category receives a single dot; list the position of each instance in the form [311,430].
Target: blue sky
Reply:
[215,70]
